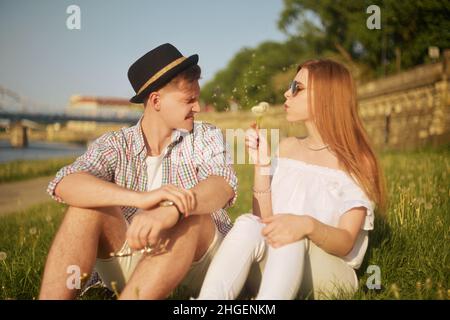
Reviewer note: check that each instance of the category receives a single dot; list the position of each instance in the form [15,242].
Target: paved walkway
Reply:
[16,196]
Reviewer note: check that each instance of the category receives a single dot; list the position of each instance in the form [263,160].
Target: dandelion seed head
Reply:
[33,231]
[3,256]
[428,283]
[395,290]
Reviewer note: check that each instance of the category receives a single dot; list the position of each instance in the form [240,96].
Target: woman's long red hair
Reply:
[332,95]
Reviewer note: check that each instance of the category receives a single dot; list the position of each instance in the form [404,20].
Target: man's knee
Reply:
[91,215]
[195,232]
[105,224]
[192,225]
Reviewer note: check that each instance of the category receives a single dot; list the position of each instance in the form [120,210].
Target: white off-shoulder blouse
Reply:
[324,193]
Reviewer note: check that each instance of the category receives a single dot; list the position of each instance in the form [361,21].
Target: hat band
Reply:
[158,75]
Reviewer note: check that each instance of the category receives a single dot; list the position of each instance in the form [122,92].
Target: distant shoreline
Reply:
[39,150]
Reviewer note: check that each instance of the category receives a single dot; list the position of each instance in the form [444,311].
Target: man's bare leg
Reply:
[156,276]
[84,235]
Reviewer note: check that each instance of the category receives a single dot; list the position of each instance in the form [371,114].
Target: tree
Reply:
[408,28]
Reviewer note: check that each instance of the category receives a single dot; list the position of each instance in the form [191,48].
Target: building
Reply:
[106,107]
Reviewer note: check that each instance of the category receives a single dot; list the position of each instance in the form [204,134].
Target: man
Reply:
[164,181]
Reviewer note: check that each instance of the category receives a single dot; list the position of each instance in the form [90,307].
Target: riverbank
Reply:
[39,150]
[21,195]
[29,169]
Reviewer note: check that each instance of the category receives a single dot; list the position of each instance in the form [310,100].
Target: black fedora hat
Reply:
[156,68]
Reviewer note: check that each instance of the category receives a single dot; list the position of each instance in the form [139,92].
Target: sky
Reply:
[44,61]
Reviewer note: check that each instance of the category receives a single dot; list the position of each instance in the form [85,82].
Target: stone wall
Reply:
[409,109]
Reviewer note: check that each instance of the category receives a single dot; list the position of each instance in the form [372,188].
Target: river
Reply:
[39,150]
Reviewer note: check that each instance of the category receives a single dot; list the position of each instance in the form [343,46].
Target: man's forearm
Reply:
[212,194]
[84,190]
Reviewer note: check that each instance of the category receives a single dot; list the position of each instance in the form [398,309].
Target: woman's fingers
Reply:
[251,133]
[251,140]
[252,145]
[274,241]
[268,229]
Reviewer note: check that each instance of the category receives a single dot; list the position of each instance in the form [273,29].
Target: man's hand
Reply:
[147,225]
[184,199]
[282,229]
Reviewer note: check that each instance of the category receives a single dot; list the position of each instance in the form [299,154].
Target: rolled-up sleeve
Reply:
[216,160]
[99,160]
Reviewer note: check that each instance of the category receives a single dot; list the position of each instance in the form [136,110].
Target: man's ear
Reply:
[154,99]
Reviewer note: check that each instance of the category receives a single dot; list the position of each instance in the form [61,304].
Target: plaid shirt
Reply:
[191,157]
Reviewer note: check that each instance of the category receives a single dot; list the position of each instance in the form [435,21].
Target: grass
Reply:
[25,240]
[27,169]
[411,246]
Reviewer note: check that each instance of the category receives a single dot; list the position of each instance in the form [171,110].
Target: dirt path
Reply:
[15,196]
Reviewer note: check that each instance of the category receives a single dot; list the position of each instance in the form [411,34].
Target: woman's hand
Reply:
[184,199]
[257,146]
[282,229]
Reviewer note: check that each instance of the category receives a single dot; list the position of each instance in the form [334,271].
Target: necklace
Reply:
[325,146]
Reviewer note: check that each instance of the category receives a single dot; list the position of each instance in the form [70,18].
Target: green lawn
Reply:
[28,169]
[411,246]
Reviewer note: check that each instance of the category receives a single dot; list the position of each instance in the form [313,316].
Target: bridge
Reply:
[15,117]
[48,118]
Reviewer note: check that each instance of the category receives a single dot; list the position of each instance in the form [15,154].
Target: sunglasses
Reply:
[294,87]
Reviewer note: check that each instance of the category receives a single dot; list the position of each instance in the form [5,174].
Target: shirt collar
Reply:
[138,144]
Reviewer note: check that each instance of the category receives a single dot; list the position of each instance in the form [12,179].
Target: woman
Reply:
[310,221]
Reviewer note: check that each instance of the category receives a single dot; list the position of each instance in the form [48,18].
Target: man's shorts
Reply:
[120,269]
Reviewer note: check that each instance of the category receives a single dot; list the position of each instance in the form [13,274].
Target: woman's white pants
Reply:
[297,270]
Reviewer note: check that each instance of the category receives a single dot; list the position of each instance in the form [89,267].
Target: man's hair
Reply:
[190,75]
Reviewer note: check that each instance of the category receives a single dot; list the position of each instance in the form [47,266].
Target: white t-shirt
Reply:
[323,193]
[154,171]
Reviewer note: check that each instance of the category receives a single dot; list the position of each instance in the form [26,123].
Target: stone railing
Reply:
[409,109]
